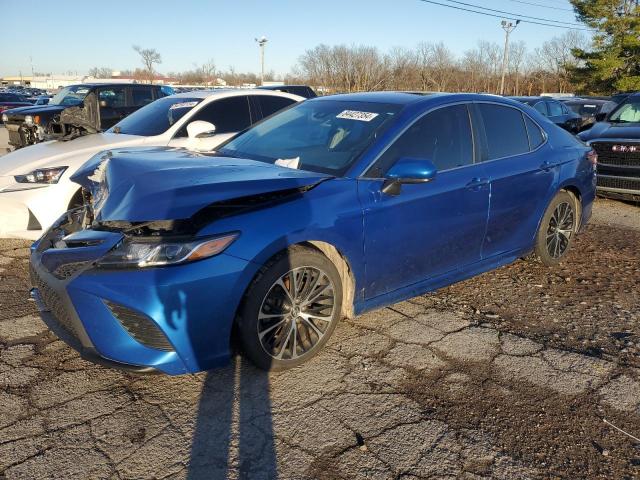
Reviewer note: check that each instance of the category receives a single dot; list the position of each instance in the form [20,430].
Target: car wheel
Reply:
[557,229]
[290,309]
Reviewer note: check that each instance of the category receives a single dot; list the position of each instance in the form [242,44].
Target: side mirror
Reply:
[600,117]
[200,129]
[408,170]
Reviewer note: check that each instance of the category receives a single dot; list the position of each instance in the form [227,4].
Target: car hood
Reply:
[55,153]
[153,184]
[36,110]
[606,130]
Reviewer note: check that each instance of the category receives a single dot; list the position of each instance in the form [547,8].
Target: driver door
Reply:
[427,229]
[230,115]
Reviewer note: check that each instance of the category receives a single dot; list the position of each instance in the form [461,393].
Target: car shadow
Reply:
[233,434]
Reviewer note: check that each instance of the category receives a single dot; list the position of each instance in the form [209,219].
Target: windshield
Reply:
[70,96]
[628,112]
[321,136]
[155,118]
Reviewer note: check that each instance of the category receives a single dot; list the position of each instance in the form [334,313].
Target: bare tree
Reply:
[209,71]
[149,57]
[100,72]
[517,54]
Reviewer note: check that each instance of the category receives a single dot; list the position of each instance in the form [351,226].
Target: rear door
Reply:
[516,159]
[266,105]
[229,115]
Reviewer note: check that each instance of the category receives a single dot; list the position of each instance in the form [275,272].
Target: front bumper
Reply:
[29,212]
[192,305]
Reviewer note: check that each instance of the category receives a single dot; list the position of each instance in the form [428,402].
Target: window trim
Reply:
[544,132]
[466,103]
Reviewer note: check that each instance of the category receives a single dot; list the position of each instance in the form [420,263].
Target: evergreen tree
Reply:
[613,64]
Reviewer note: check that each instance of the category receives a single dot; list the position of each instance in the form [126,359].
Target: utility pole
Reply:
[508,27]
[261,43]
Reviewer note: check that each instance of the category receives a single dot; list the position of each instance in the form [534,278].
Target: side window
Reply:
[270,104]
[443,136]
[542,108]
[141,96]
[565,110]
[504,129]
[555,109]
[536,137]
[114,97]
[228,115]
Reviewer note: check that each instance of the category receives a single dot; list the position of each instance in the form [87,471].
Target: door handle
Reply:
[546,166]
[477,183]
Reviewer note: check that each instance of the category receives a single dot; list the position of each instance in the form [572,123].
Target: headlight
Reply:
[139,253]
[5,118]
[42,175]
[28,120]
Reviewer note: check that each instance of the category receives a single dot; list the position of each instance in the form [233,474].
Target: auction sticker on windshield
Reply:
[183,105]
[356,115]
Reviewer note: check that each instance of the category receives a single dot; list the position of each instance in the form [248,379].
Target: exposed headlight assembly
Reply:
[28,120]
[42,175]
[5,118]
[140,253]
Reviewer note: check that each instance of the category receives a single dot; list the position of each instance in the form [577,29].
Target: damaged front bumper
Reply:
[174,319]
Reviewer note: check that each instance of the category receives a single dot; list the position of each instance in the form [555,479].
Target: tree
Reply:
[613,63]
[149,57]
[557,55]
[100,72]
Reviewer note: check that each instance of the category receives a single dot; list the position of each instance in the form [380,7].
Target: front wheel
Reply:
[557,229]
[290,309]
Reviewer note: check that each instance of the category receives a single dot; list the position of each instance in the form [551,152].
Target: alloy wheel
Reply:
[560,229]
[296,313]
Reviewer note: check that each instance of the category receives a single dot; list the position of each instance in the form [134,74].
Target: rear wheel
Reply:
[557,229]
[290,309]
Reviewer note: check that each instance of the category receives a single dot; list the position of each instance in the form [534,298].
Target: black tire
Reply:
[557,229]
[301,323]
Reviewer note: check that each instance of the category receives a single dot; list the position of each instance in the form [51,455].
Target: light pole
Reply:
[261,43]
[508,27]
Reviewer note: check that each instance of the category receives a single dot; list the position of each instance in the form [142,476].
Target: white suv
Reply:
[34,181]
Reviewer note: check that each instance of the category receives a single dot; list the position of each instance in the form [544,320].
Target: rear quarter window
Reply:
[536,137]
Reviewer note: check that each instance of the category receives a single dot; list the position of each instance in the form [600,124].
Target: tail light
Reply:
[593,157]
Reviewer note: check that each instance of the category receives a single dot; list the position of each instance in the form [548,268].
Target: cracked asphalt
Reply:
[508,375]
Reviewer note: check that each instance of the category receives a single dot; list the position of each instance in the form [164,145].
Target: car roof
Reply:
[112,84]
[232,92]
[414,98]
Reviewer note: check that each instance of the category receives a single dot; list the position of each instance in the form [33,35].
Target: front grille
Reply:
[52,302]
[606,156]
[140,327]
[620,183]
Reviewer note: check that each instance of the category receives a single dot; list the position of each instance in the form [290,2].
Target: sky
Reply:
[75,35]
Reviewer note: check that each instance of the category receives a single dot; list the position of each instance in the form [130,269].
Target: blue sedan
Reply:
[332,207]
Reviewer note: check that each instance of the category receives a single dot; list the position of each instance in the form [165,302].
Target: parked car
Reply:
[302,90]
[554,111]
[35,188]
[10,100]
[77,110]
[617,141]
[590,110]
[327,209]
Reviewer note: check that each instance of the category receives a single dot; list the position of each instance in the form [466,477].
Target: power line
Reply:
[516,17]
[510,13]
[543,6]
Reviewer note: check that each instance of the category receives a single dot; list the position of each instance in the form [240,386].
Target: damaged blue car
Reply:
[330,208]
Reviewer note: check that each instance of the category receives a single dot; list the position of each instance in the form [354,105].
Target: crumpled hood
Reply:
[35,110]
[604,130]
[58,154]
[152,184]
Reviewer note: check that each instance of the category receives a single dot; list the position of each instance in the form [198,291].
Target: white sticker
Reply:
[183,105]
[356,115]
[288,162]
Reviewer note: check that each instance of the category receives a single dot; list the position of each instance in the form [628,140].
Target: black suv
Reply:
[302,90]
[554,111]
[617,142]
[77,110]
